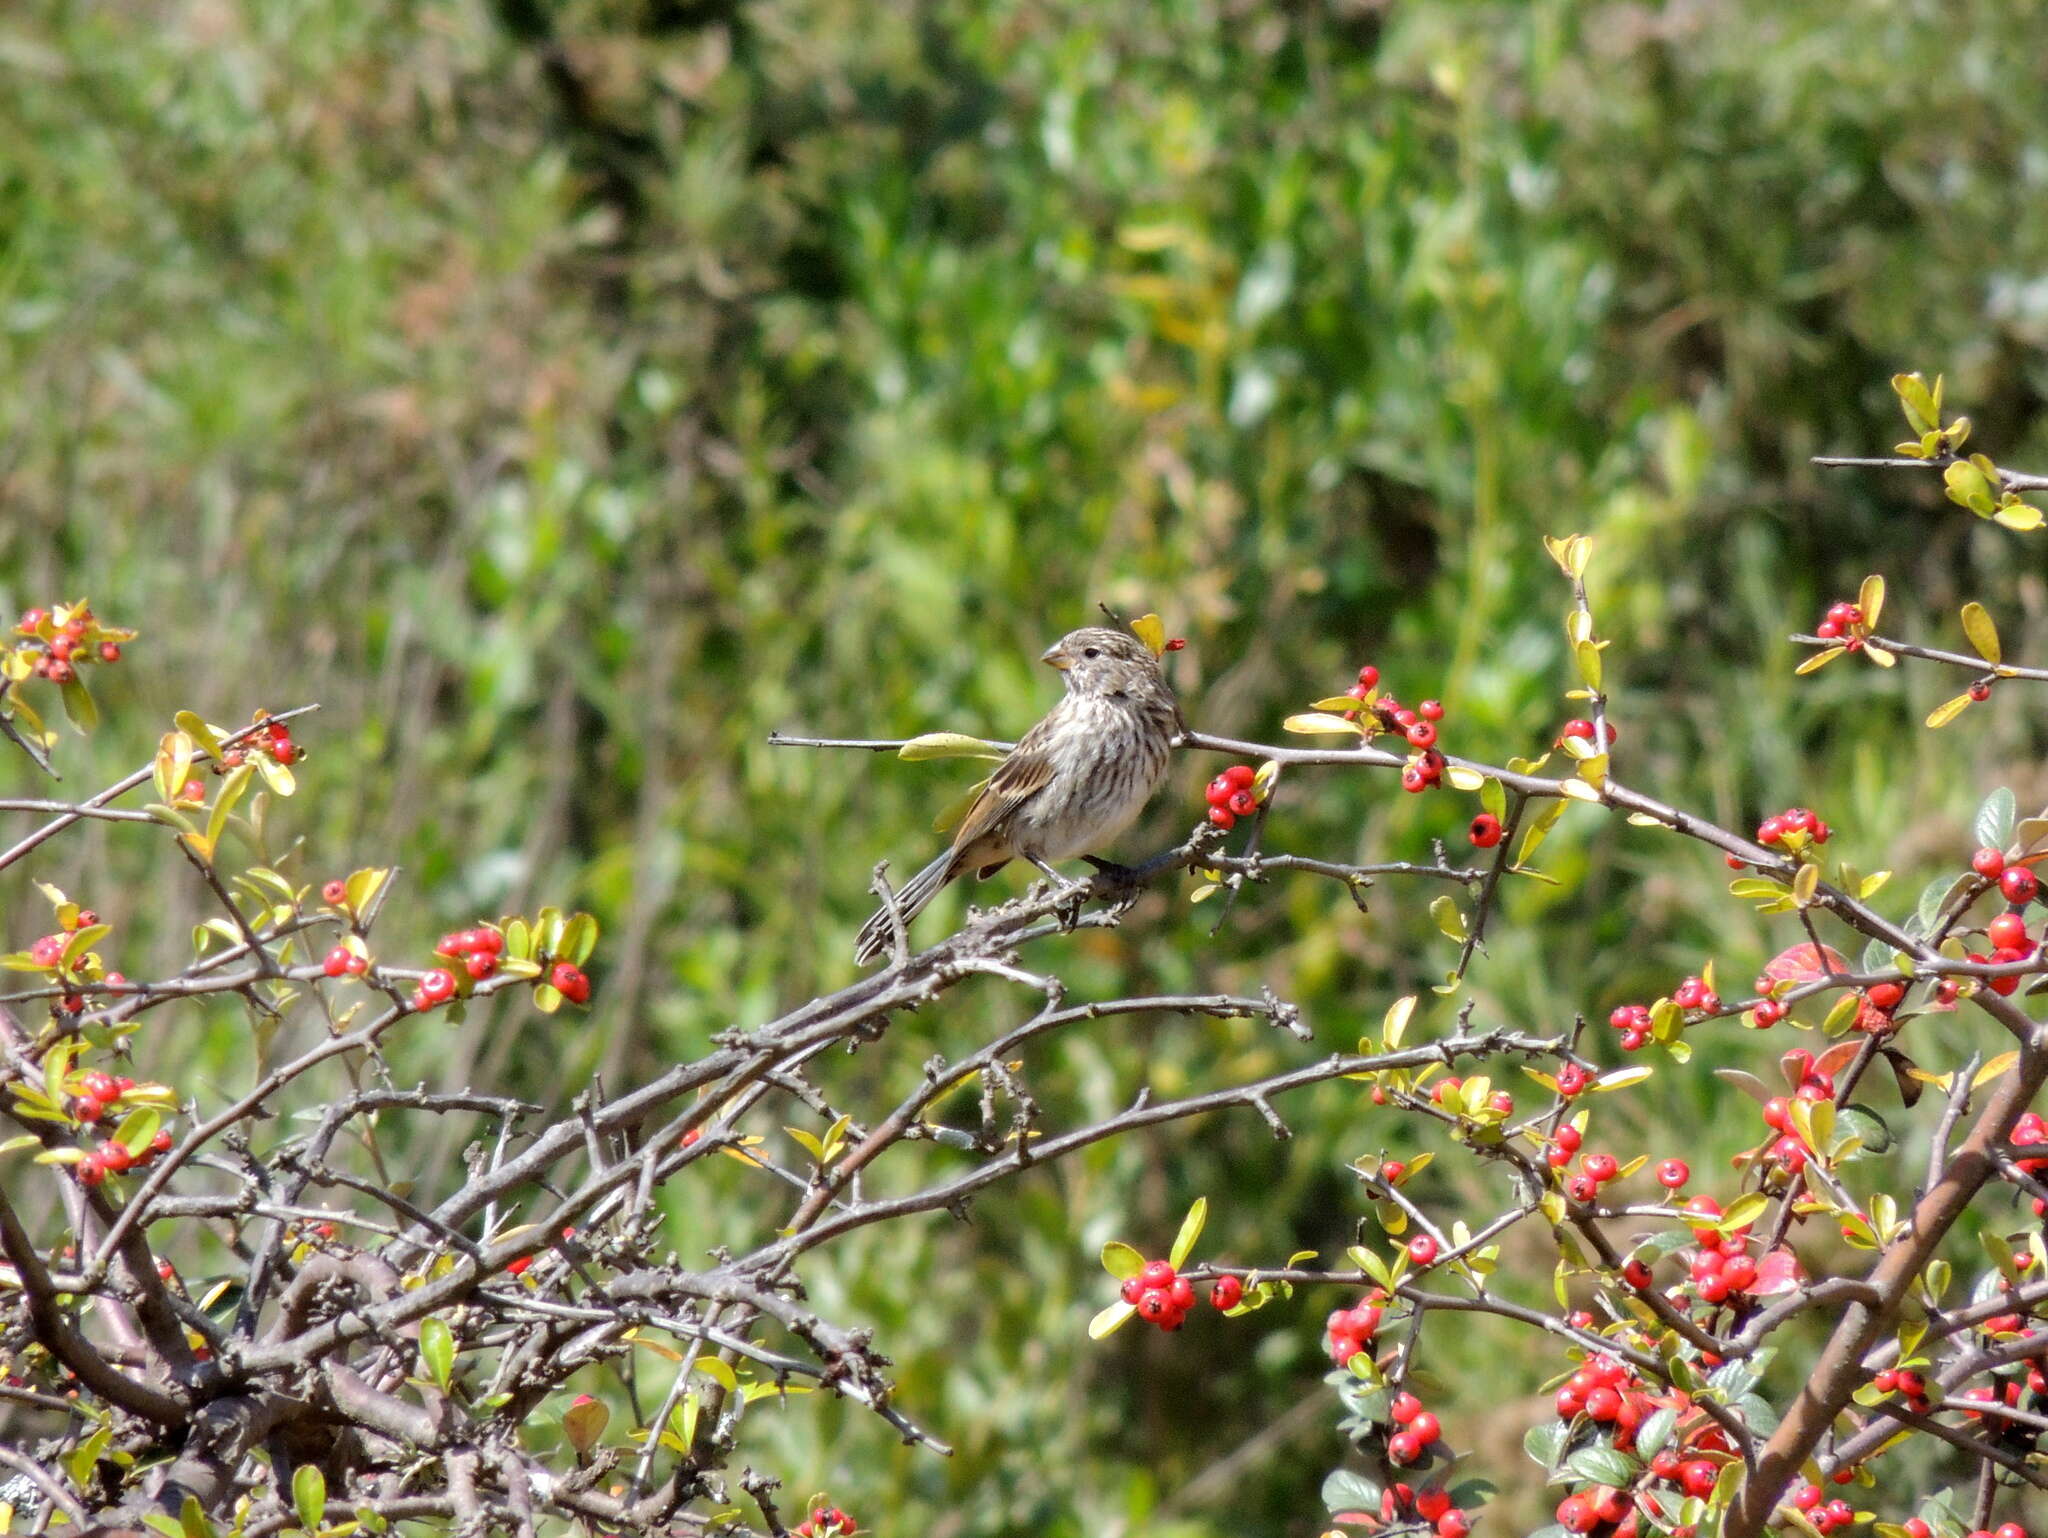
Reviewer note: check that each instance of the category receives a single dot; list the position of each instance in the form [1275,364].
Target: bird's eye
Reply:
[1091,652]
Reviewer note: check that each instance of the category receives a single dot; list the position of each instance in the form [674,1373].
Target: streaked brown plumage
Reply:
[1073,782]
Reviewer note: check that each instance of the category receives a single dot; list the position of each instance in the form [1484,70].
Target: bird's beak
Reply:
[1056,658]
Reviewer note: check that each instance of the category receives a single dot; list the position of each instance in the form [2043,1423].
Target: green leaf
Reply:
[1346,1490]
[309,1496]
[1603,1465]
[1494,798]
[231,791]
[1994,820]
[579,939]
[138,1130]
[198,731]
[1445,911]
[437,1351]
[78,705]
[1190,1231]
[192,1519]
[1545,1441]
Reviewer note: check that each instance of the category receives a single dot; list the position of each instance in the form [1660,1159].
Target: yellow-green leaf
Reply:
[1150,629]
[1448,918]
[309,1496]
[1121,1261]
[1983,633]
[948,745]
[1819,660]
[1110,1320]
[1398,1015]
[1190,1231]
[1312,722]
[1947,711]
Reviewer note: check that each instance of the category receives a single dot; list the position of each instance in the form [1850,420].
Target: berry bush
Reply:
[225,1313]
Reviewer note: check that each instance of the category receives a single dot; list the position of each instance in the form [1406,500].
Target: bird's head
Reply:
[1098,660]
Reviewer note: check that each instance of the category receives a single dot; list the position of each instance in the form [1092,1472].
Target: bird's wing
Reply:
[1018,778]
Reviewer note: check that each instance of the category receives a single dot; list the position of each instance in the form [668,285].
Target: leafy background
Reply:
[566,394]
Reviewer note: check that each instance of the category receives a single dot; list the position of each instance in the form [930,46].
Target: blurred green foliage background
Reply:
[565,393]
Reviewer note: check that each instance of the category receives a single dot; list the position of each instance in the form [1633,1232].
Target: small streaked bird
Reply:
[1073,783]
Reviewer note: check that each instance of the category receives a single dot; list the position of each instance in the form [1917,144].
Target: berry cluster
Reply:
[1402,1504]
[273,740]
[477,949]
[2007,933]
[1162,1296]
[114,1157]
[1233,794]
[1793,829]
[58,640]
[1419,1428]
[1844,623]
[1349,1331]
[824,1522]
[1379,713]
[1826,1515]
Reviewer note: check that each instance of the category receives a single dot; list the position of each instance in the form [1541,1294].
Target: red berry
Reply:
[1421,734]
[1405,1408]
[1240,775]
[160,1144]
[1575,1514]
[91,1171]
[1768,1012]
[2019,885]
[570,982]
[2009,1530]
[1219,791]
[1485,830]
[1673,1173]
[2007,931]
[1157,1274]
[31,621]
[1132,1290]
[1980,691]
[1582,1188]
[1603,1404]
[1222,818]
[1569,1402]
[437,987]
[1602,1167]
[1403,1447]
[1227,1293]
[1453,1524]
[115,1156]
[1413,780]
[101,1086]
[1154,1307]
[1242,803]
[337,961]
[1422,1249]
[1568,1138]
[1426,1428]
[518,1267]
[88,1108]
[1572,1079]
[1988,863]
[1917,1528]
[1369,676]
[1696,1476]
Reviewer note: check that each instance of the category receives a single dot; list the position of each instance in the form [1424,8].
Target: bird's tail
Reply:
[915,897]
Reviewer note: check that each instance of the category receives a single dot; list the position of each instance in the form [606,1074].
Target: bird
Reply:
[1073,782]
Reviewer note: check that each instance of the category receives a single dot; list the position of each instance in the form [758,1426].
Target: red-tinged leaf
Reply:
[1777,1272]
[1836,1058]
[1804,963]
